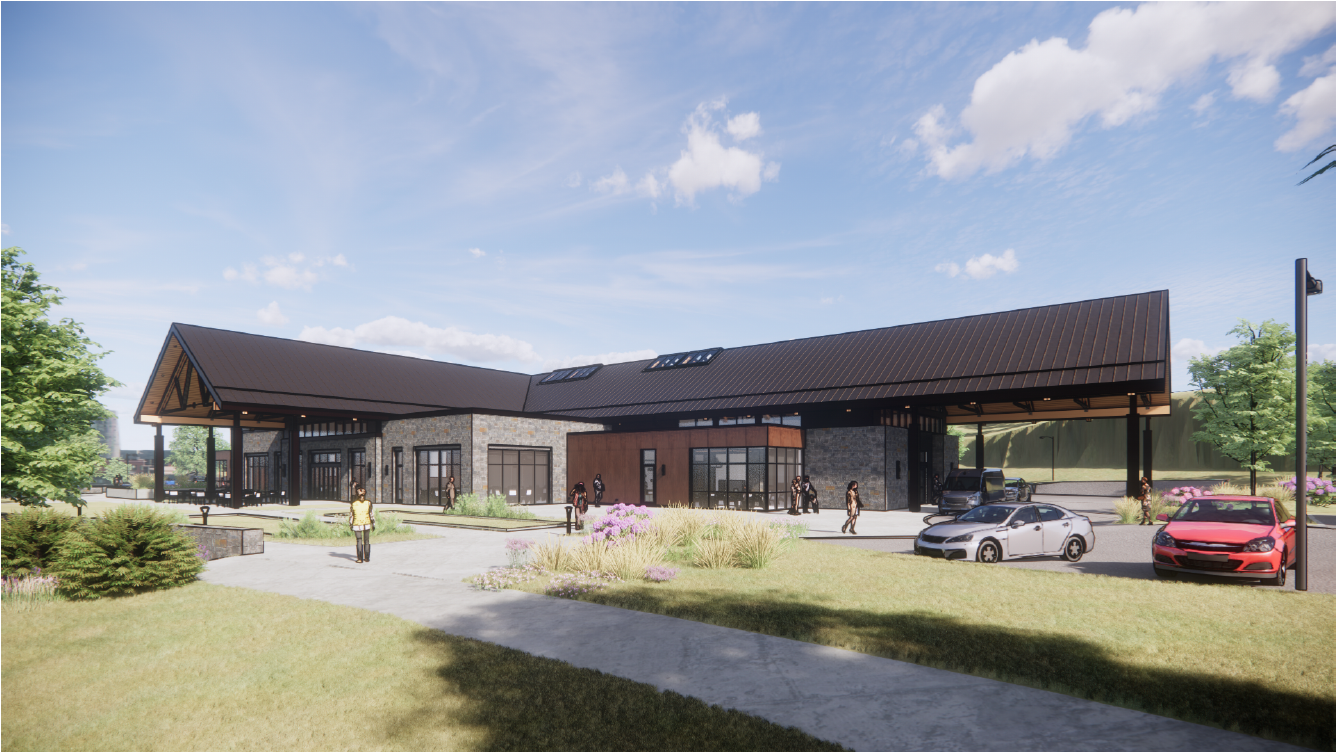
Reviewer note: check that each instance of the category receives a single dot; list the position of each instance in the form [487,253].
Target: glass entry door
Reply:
[436,466]
[324,481]
[648,476]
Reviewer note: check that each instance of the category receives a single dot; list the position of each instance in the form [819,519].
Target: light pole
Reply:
[1052,443]
[1305,285]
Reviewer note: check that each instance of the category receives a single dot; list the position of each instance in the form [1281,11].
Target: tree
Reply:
[1326,167]
[49,385]
[1321,438]
[1248,396]
[962,436]
[114,468]
[189,445]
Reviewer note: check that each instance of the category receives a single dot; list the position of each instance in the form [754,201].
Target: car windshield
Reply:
[1238,511]
[963,483]
[991,514]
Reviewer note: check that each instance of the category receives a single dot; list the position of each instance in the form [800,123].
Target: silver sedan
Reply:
[1009,530]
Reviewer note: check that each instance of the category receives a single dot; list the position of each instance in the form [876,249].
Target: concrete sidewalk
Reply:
[860,701]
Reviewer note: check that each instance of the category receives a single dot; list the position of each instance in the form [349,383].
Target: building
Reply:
[713,426]
[110,431]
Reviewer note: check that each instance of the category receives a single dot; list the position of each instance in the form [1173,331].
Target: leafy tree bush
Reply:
[30,540]
[49,385]
[131,549]
[143,480]
[1321,438]
[189,451]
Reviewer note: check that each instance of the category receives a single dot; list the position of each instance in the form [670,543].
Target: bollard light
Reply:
[204,510]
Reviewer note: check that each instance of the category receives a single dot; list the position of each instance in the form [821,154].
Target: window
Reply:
[741,477]
[436,466]
[522,474]
[648,476]
[398,474]
[744,421]
[357,468]
[323,482]
[317,430]
[684,359]
[571,374]
[220,473]
[257,472]
[783,420]
[696,422]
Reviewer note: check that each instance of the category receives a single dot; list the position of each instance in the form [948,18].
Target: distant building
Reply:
[110,431]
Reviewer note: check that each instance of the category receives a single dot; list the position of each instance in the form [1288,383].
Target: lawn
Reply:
[271,528]
[500,523]
[1249,660]
[206,667]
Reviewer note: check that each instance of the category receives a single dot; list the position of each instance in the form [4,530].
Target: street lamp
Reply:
[1052,444]
[1305,285]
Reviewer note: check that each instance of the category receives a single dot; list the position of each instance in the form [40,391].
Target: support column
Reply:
[914,485]
[1134,480]
[211,471]
[235,465]
[1147,449]
[294,464]
[159,491]
[979,446]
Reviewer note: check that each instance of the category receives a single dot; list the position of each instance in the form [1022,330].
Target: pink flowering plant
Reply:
[577,584]
[517,551]
[1181,494]
[1318,490]
[660,574]
[29,590]
[622,522]
[502,578]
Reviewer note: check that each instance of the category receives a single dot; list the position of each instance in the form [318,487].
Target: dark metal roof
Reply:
[250,369]
[1096,343]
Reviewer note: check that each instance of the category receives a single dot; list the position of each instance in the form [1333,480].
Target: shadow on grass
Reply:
[523,702]
[1052,662]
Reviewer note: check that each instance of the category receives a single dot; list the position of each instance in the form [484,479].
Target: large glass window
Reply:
[257,472]
[324,480]
[648,472]
[783,420]
[357,468]
[436,466]
[523,474]
[733,477]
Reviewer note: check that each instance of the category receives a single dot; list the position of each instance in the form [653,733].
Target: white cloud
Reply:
[1203,103]
[552,364]
[1186,349]
[744,126]
[4,229]
[574,180]
[1317,65]
[983,266]
[708,164]
[1313,109]
[615,184]
[477,252]
[393,331]
[1322,352]
[291,272]
[271,315]
[1032,100]
[248,273]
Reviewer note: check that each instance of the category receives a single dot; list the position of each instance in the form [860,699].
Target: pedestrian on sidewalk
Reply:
[852,506]
[450,495]
[361,519]
[795,491]
[598,490]
[580,502]
[1145,498]
[809,496]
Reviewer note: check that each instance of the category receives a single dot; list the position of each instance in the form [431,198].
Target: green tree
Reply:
[1322,434]
[1248,396]
[116,467]
[962,438]
[49,385]
[189,450]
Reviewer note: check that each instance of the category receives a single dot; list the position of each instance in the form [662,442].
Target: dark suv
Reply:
[967,489]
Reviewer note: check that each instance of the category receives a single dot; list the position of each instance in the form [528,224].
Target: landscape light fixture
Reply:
[1305,285]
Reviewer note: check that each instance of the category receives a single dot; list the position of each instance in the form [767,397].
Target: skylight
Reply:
[571,374]
[682,360]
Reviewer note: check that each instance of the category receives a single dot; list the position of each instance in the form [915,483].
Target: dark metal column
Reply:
[1134,480]
[914,484]
[1305,286]
[1147,449]
[211,469]
[235,466]
[159,492]
[979,446]
[294,464]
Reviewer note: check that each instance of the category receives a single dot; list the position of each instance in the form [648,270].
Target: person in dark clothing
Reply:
[598,490]
[852,506]
[580,503]
[1144,496]
[809,496]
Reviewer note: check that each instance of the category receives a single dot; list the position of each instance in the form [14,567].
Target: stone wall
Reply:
[411,433]
[543,433]
[898,450]
[270,442]
[832,457]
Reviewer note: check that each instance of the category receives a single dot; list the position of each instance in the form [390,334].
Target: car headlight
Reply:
[1260,545]
[961,538]
[1164,539]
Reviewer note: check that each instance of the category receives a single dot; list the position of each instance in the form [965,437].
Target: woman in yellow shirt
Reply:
[363,522]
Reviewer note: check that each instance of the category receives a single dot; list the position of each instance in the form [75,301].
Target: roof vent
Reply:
[571,374]
[684,359]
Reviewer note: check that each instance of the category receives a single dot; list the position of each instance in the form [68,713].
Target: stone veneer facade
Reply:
[472,433]
[869,454]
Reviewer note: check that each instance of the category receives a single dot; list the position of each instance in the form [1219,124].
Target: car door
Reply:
[1056,528]
[1025,534]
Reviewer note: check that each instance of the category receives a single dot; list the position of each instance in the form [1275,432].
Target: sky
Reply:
[524,187]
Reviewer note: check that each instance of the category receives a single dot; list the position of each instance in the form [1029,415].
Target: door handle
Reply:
[1037,527]
[1065,524]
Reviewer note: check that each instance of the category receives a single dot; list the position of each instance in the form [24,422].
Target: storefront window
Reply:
[522,475]
[436,466]
[738,477]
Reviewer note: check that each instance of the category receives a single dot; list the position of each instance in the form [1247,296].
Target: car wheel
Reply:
[1280,579]
[989,553]
[1073,549]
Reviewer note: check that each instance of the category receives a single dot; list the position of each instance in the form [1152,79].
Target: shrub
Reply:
[500,579]
[621,522]
[387,523]
[517,550]
[1319,491]
[713,553]
[30,540]
[493,506]
[28,591]
[757,544]
[131,549]
[311,526]
[578,583]
[1129,508]
[142,480]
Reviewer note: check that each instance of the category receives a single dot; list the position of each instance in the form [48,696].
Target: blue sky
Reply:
[529,186]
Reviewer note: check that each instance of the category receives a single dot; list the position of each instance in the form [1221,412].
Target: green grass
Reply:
[275,672]
[1234,657]
[455,519]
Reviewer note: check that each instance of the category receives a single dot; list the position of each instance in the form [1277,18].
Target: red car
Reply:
[1226,536]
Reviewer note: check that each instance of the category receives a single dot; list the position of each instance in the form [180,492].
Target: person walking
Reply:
[795,491]
[451,491]
[580,503]
[809,496]
[598,490]
[361,519]
[852,506]
[1145,497]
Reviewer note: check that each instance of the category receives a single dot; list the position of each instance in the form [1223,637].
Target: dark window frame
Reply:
[553,495]
[689,359]
[422,490]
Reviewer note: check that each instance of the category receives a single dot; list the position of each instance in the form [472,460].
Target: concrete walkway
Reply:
[860,701]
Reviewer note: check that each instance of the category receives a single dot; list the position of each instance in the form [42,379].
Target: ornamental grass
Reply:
[30,590]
